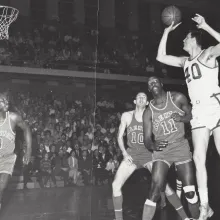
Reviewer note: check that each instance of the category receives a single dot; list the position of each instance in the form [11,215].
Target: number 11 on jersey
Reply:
[172,126]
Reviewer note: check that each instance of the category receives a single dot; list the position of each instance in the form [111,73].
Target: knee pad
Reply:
[191,189]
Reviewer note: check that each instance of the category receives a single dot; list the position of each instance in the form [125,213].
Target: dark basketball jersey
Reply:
[164,127]
[135,138]
[7,137]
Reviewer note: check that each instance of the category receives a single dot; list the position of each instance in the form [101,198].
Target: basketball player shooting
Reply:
[8,123]
[136,156]
[201,73]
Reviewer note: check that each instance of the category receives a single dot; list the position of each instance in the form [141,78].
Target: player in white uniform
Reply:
[201,72]
[8,122]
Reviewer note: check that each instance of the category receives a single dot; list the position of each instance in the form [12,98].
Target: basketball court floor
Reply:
[94,202]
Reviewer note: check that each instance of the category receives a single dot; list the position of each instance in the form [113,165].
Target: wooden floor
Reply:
[94,202]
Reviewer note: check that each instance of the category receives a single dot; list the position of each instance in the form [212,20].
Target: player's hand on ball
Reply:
[172,27]
[176,117]
[200,20]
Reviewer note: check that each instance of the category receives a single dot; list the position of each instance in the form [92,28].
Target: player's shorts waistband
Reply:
[178,140]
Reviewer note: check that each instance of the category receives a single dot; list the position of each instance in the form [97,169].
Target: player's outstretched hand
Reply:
[172,27]
[200,20]
[176,117]
[128,158]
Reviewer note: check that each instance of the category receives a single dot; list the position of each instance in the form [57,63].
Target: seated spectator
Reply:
[69,146]
[110,168]
[46,171]
[97,164]
[85,166]
[61,167]
[78,151]
[95,144]
[90,133]
[61,142]
[57,133]
[111,150]
[73,165]
[81,137]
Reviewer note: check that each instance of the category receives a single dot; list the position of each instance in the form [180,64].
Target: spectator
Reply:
[46,171]
[85,166]
[61,167]
[97,167]
[110,168]
[73,165]
[78,151]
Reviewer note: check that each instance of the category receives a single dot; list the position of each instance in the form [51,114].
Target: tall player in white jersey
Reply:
[201,72]
[8,122]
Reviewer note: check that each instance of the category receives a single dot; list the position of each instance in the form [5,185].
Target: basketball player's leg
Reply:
[149,166]
[175,202]
[159,174]
[171,196]
[123,173]
[4,178]
[200,139]
[185,173]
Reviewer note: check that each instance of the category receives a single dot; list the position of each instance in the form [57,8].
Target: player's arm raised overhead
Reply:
[214,51]
[121,131]
[162,54]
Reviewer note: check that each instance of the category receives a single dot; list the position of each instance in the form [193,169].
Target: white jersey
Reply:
[202,81]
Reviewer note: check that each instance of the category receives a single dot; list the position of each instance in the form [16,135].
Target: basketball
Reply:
[170,14]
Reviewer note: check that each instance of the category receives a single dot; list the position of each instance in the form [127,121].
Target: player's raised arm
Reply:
[214,51]
[121,131]
[162,54]
[27,136]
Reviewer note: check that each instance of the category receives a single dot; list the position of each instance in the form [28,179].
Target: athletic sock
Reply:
[176,203]
[178,188]
[149,210]
[117,202]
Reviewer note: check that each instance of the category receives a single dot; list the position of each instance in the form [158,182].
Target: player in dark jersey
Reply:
[136,156]
[8,122]
[165,118]
[201,72]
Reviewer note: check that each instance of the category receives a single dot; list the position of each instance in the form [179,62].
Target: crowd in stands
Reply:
[50,48]
[71,139]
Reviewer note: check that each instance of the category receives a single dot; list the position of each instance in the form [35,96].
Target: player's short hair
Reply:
[154,77]
[140,93]
[198,35]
